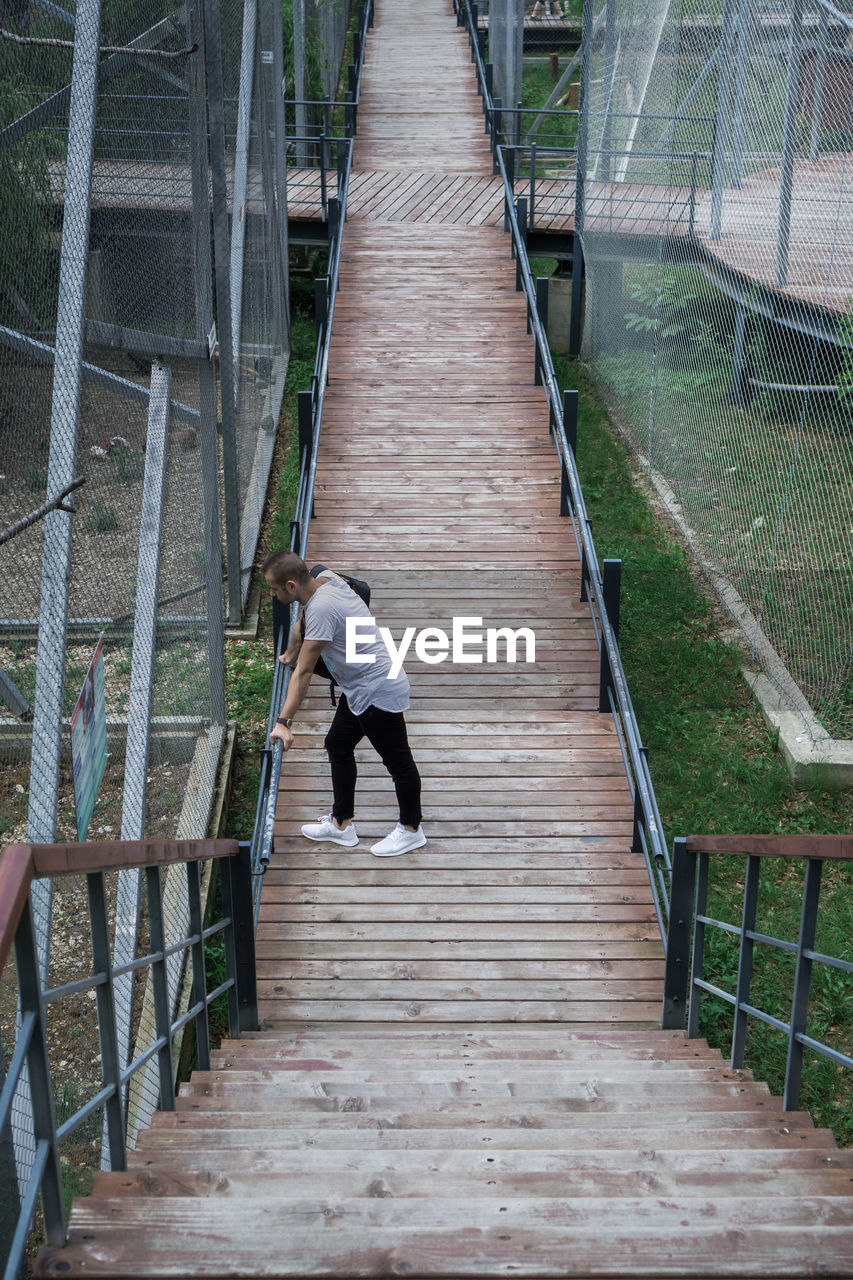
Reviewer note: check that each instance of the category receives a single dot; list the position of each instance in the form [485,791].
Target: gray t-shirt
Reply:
[365,685]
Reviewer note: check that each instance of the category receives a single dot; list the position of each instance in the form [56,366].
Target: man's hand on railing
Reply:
[283,734]
[291,653]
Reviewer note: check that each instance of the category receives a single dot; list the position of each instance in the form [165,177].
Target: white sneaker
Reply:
[325,829]
[399,841]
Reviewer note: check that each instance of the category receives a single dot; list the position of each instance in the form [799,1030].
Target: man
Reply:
[371,703]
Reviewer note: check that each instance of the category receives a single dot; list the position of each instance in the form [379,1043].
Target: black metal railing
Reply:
[685,982]
[19,866]
[599,584]
[310,418]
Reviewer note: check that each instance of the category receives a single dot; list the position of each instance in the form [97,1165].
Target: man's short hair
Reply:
[282,566]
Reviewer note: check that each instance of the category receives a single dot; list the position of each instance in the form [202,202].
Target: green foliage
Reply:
[104,518]
[299,371]
[128,464]
[714,766]
[844,378]
[316,58]
[28,268]
[249,666]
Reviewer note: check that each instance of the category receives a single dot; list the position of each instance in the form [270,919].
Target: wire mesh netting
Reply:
[717,220]
[143,350]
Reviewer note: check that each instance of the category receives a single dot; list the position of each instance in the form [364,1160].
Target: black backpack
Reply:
[361,589]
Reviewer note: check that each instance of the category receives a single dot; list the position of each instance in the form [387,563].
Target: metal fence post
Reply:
[677,974]
[741,62]
[240,212]
[299,82]
[280,148]
[721,120]
[205,330]
[744,968]
[802,984]
[819,80]
[789,144]
[222,270]
[145,615]
[611,581]
[62,458]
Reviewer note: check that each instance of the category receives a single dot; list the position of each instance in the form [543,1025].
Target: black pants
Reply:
[386,733]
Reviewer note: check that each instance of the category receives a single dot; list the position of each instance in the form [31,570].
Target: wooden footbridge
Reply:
[461,1071]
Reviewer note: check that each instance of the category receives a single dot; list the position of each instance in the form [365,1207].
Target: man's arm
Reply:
[297,689]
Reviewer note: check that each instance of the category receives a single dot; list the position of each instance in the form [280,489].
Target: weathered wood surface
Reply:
[358,1152]
[461,1072]
[437,482]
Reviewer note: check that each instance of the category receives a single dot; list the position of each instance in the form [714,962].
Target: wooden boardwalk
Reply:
[438,483]
[460,1072]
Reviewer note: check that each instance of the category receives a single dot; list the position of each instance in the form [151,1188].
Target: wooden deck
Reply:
[438,483]
[461,1072]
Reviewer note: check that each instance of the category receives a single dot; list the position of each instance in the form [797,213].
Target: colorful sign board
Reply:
[89,741]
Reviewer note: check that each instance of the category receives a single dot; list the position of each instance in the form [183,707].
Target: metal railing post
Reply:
[744,968]
[611,582]
[334,218]
[681,904]
[240,940]
[697,959]
[305,421]
[570,426]
[111,1059]
[199,980]
[532,182]
[802,984]
[321,304]
[160,988]
[542,312]
[39,1085]
[521,219]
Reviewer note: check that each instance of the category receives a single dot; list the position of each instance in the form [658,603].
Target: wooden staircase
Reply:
[461,1072]
[480,1151]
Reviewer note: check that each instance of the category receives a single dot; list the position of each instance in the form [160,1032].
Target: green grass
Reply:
[249,665]
[715,766]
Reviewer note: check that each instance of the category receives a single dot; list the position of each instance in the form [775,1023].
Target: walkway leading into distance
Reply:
[460,1072]
[438,483]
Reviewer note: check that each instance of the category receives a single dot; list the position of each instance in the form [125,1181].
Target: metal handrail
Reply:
[648,828]
[309,445]
[685,983]
[19,866]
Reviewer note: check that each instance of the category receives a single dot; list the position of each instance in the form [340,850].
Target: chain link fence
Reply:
[144,342]
[716,220]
